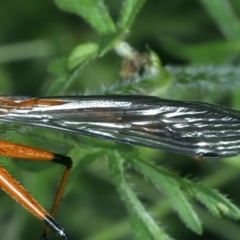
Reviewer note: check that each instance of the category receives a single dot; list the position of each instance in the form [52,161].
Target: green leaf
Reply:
[62,79]
[59,85]
[143,224]
[221,51]
[129,12]
[223,14]
[216,203]
[93,11]
[108,42]
[170,184]
[198,82]
[82,54]
[66,70]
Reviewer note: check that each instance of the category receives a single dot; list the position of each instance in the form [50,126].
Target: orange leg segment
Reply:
[17,192]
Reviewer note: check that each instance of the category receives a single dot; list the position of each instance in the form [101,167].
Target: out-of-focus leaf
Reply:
[129,12]
[25,50]
[207,53]
[108,42]
[93,11]
[81,54]
[198,82]
[225,17]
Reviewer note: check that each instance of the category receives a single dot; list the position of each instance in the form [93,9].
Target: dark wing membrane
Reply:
[189,128]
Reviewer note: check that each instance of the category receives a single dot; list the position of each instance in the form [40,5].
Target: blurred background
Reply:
[183,33]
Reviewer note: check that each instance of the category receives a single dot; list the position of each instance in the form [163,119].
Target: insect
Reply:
[192,128]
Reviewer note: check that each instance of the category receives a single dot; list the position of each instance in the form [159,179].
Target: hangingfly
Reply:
[192,128]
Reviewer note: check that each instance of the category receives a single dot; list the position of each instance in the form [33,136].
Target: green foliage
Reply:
[128,13]
[171,186]
[81,54]
[210,72]
[199,54]
[93,11]
[144,227]
[226,19]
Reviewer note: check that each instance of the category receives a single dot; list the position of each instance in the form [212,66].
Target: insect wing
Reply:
[189,128]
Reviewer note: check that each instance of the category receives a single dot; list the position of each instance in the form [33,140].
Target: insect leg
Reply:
[17,192]
[67,162]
